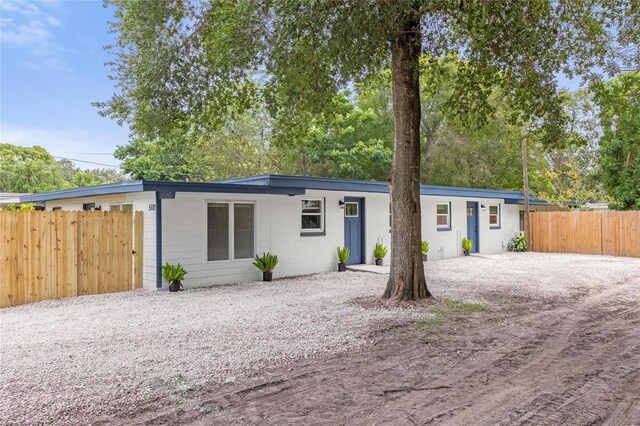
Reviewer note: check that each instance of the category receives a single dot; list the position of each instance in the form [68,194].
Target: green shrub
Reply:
[425,247]
[518,243]
[343,254]
[466,244]
[266,262]
[380,251]
[173,273]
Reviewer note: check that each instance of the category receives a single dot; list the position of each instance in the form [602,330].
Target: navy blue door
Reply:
[353,229]
[472,225]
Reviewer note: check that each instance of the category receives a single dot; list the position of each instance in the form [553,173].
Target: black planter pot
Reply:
[424,257]
[467,252]
[173,287]
[379,262]
[267,276]
[342,267]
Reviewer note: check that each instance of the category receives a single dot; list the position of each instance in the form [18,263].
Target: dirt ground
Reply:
[535,339]
[566,358]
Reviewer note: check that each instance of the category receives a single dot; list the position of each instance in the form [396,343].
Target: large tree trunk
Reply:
[406,280]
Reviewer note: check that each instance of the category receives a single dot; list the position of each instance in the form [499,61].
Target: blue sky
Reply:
[51,69]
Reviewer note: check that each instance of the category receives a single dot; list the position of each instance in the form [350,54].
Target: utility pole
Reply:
[525,175]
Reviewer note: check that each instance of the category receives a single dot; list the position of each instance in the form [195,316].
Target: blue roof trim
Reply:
[274,184]
[165,186]
[377,186]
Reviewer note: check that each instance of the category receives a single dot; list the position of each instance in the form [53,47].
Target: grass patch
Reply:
[448,308]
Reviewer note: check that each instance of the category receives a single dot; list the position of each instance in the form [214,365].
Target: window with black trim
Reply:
[443,216]
[312,215]
[494,216]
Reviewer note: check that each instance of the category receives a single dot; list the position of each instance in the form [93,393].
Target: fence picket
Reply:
[50,254]
[610,233]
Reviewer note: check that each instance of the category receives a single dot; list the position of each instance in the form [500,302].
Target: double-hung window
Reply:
[312,216]
[230,231]
[494,216]
[443,216]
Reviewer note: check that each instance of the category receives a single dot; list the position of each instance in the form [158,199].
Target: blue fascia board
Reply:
[160,186]
[532,201]
[330,184]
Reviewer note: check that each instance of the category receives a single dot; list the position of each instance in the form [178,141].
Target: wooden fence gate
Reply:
[50,254]
[610,232]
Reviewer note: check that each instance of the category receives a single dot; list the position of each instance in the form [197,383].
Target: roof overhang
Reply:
[160,186]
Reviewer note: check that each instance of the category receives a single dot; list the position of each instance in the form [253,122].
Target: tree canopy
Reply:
[180,61]
[33,169]
[619,101]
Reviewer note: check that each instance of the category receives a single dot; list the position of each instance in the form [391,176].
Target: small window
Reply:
[116,207]
[351,209]
[494,216]
[443,216]
[89,206]
[55,209]
[312,218]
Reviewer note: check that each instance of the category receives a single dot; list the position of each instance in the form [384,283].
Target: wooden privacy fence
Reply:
[50,254]
[611,233]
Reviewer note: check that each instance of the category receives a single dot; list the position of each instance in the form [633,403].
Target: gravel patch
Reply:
[76,360]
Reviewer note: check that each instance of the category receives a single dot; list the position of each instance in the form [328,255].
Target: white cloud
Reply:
[71,143]
[25,25]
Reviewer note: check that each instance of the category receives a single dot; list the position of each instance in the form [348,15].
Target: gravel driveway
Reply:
[83,359]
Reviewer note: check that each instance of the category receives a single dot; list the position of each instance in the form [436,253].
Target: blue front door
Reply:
[472,225]
[353,229]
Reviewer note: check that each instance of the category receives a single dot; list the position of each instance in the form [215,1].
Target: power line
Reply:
[84,161]
[86,153]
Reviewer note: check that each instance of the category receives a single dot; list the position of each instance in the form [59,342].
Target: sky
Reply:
[51,69]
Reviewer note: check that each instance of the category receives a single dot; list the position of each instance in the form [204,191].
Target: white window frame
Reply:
[357,209]
[497,215]
[231,248]
[447,215]
[321,214]
[120,206]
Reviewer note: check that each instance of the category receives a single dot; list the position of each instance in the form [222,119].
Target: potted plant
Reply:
[425,250]
[343,255]
[466,246]
[379,252]
[174,274]
[266,263]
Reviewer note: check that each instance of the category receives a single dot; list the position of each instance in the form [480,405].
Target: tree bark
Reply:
[406,279]
[525,178]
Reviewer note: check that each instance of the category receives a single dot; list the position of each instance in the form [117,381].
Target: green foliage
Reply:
[466,244]
[28,169]
[266,262]
[33,169]
[380,251]
[173,273]
[518,243]
[343,254]
[24,207]
[425,247]
[619,102]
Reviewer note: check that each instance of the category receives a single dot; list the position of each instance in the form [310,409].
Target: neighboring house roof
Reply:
[272,184]
[10,197]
